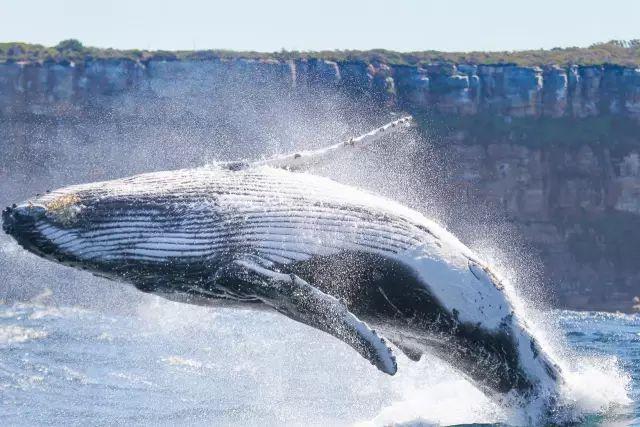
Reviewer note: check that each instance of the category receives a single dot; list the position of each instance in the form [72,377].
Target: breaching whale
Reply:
[363,268]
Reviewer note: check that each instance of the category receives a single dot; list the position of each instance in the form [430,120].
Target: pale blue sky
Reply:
[321,24]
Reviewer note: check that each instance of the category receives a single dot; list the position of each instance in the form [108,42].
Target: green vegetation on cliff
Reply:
[625,53]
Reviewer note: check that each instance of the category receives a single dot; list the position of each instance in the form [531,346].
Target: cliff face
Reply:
[504,90]
[556,149]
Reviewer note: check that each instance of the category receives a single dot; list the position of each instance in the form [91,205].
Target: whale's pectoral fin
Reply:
[298,300]
[305,159]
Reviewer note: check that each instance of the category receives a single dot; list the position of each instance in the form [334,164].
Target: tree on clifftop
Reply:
[70,45]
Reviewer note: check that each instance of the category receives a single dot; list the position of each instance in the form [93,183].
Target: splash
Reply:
[596,390]
[597,385]
[430,393]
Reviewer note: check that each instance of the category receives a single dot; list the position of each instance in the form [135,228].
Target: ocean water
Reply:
[165,363]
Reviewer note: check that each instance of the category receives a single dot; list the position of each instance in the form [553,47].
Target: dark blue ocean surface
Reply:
[168,364]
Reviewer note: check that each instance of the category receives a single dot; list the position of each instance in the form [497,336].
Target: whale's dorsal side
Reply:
[300,301]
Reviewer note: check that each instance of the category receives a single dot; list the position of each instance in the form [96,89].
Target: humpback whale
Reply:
[268,235]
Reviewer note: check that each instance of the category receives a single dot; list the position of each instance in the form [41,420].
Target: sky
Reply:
[270,25]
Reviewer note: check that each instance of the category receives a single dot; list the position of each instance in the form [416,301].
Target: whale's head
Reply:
[19,221]
[123,229]
[101,226]
[43,224]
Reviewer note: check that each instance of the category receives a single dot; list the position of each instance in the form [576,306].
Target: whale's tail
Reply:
[303,159]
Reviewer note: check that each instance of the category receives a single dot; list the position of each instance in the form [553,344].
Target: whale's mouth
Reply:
[21,220]
[7,220]
[21,223]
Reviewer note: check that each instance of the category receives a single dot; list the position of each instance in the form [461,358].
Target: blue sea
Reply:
[164,363]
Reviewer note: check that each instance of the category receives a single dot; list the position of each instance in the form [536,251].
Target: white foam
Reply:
[45,312]
[596,385]
[14,334]
[431,393]
[181,361]
[75,376]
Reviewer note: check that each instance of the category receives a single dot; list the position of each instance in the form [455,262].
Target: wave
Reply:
[181,361]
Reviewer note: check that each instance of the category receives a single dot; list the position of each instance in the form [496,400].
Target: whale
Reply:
[269,235]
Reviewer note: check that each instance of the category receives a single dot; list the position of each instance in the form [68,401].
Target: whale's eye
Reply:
[64,209]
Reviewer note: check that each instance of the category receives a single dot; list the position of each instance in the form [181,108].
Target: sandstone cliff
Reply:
[556,149]
[504,90]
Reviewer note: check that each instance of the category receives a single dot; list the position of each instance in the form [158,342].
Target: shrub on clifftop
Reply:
[624,53]
[70,45]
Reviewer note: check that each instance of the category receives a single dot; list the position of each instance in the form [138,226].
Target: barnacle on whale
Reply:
[65,208]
